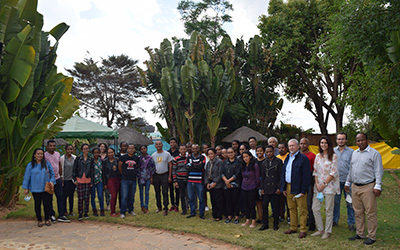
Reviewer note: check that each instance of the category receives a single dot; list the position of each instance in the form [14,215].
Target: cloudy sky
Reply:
[104,28]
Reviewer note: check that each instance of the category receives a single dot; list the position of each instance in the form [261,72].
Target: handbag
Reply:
[48,188]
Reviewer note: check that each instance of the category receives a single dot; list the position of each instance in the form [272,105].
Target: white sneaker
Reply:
[122,216]
[132,213]
[318,233]
[325,236]
[207,209]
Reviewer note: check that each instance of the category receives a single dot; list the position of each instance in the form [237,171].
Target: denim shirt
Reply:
[35,177]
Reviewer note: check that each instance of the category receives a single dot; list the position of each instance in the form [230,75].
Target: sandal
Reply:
[40,224]
[48,223]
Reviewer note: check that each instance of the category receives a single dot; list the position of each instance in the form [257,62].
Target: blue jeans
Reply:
[144,202]
[99,187]
[192,190]
[128,190]
[336,210]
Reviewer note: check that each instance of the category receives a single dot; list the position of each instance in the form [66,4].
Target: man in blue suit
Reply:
[295,180]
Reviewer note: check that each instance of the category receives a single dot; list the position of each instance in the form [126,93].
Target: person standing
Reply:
[146,169]
[250,185]
[344,154]
[235,146]
[295,182]
[53,157]
[111,178]
[326,176]
[174,152]
[83,176]
[231,177]
[271,169]
[97,183]
[283,152]
[103,155]
[260,152]
[274,143]
[304,144]
[67,166]
[37,173]
[179,176]
[214,184]
[128,166]
[162,176]
[253,146]
[195,165]
[366,171]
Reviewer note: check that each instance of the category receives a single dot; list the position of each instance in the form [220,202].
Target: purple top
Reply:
[146,169]
[251,179]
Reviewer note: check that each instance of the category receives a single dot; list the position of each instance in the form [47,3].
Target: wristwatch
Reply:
[325,184]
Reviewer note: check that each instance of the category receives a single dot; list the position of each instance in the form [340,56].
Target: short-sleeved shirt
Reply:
[54,160]
[161,160]
[130,166]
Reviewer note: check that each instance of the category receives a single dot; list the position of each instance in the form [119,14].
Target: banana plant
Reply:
[35,100]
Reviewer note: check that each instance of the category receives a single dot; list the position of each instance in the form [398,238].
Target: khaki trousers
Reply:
[316,208]
[300,203]
[364,202]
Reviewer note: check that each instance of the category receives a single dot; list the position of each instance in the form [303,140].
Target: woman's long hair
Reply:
[251,164]
[330,147]
[42,163]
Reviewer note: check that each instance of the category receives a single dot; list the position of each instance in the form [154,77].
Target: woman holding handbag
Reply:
[39,176]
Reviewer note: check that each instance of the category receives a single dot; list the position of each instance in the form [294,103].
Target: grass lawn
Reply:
[387,235]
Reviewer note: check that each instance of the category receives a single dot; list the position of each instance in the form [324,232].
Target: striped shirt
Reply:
[195,166]
[179,170]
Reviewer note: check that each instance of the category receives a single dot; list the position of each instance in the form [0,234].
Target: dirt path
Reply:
[94,235]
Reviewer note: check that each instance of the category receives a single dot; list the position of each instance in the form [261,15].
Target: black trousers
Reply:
[232,197]
[58,191]
[217,199]
[249,199]
[44,198]
[174,197]
[69,190]
[310,219]
[160,181]
[182,193]
[273,199]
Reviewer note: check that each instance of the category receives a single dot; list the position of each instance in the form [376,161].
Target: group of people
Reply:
[239,179]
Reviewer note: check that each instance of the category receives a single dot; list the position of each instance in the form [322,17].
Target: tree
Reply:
[35,100]
[110,89]
[371,30]
[206,17]
[299,34]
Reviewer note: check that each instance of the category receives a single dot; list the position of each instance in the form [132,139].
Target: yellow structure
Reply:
[389,160]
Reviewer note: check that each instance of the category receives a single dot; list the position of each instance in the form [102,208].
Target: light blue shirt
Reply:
[344,160]
[288,176]
[35,177]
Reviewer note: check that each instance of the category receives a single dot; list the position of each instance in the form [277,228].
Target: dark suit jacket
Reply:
[301,174]
[271,175]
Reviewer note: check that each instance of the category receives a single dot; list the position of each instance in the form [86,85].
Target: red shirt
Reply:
[311,158]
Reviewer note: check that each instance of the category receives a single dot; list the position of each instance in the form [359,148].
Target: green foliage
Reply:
[35,100]
[206,17]
[299,35]
[370,29]
[110,89]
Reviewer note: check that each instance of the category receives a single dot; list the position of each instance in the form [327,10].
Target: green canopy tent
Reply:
[78,127]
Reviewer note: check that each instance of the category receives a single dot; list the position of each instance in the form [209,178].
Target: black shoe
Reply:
[190,216]
[86,216]
[352,228]
[80,217]
[369,241]
[53,219]
[183,213]
[335,224]
[356,237]
[63,219]
[264,227]
[236,221]
[202,217]
[276,227]
[258,221]
[228,221]
[311,227]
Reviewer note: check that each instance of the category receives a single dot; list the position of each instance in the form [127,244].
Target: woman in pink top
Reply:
[326,176]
